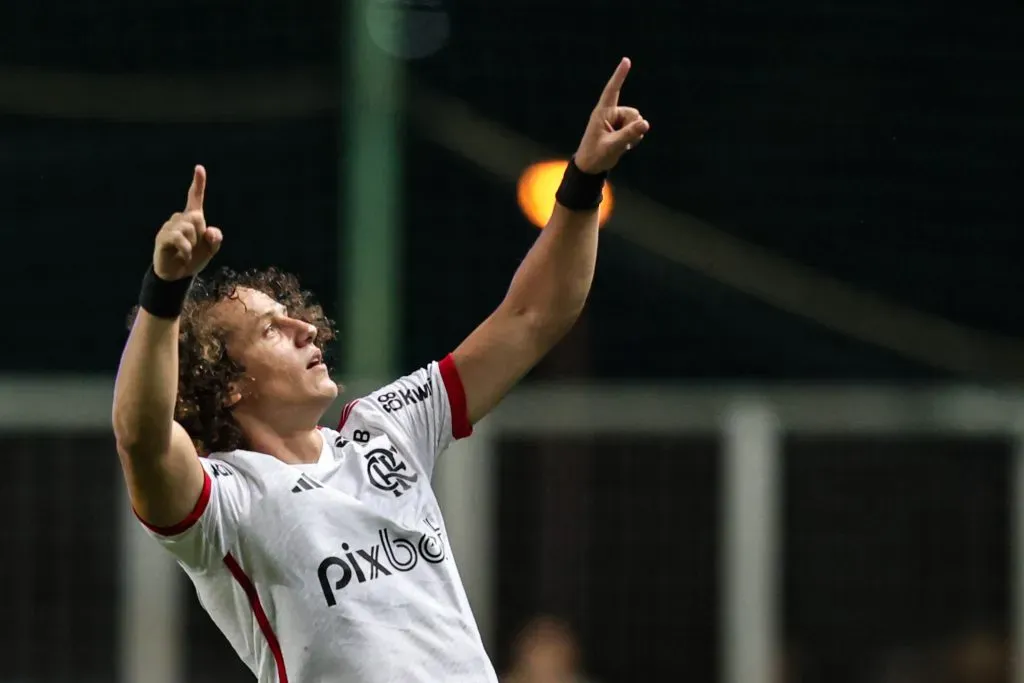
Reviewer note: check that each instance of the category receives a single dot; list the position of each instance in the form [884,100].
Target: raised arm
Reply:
[550,287]
[161,467]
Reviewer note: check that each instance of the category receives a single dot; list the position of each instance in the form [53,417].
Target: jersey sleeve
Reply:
[422,412]
[203,538]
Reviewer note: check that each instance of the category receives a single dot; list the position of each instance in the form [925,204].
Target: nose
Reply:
[305,333]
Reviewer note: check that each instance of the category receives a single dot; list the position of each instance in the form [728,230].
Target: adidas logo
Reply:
[306,484]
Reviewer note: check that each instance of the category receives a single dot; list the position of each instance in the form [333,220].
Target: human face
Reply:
[284,368]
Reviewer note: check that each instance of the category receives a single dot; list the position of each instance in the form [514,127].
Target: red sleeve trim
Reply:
[193,517]
[345,412]
[461,427]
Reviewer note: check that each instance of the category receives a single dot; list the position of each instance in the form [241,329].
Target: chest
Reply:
[362,493]
[375,470]
[343,532]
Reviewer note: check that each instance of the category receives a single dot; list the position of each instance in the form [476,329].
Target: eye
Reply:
[269,329]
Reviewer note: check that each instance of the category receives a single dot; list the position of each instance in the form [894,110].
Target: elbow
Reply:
[123,422]
[121,425]
[558,315]
[140,447]
[548,326]
[128,438]
[133,437]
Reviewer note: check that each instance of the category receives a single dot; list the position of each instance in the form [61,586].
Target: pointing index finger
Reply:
[610,96]
[197,191]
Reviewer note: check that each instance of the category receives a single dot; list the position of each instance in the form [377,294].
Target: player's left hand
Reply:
[612,130]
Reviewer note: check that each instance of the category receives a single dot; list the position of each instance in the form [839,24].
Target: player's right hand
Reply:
[185,244]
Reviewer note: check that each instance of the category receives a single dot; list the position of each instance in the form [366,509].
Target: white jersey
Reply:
[340,570]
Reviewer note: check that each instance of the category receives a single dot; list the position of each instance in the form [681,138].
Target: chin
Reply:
[330,389]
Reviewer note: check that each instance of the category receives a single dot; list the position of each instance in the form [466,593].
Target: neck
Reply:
[295,446]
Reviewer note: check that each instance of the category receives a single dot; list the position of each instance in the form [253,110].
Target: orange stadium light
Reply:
[536,192]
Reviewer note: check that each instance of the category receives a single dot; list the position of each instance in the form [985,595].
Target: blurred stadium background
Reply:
[783,445]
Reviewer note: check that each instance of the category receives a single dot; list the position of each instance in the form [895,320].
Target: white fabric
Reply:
[347,558]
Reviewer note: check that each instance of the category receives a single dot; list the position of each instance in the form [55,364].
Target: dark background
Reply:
[878,142]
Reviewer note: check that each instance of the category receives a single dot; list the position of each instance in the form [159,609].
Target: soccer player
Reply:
[319,553]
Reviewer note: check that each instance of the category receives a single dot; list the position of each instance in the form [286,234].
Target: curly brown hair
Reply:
[206,371]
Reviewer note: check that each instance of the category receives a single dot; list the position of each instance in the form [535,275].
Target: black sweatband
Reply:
[163,298]
[580,191]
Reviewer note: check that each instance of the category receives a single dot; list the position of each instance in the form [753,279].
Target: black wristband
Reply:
[580,191]
[163,298]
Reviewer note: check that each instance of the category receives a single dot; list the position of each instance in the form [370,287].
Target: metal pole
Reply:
[151,630]
[750,545]
[370,235]
[465,482]
[1017,549]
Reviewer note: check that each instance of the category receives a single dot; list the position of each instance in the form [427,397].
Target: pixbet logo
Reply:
[367,564]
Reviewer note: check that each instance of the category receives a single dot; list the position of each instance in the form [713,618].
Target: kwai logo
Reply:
[392,554]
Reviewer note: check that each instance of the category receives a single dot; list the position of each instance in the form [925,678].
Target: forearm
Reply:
[552,283]
[147,386]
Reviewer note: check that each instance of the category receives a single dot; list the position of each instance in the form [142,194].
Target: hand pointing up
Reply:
[612,130]
[185,244]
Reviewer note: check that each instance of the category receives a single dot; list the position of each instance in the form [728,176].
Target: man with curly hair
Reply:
[320,553]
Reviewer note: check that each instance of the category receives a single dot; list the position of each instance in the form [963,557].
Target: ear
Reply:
[238,390]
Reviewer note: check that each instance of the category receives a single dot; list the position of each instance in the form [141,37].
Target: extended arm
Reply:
[161,467]
[551,285]
[543,302]
[160,463]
